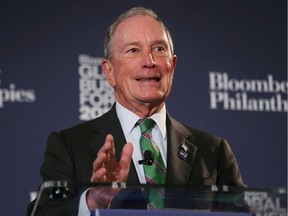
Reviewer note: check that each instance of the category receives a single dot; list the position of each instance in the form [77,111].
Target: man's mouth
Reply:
[153,79]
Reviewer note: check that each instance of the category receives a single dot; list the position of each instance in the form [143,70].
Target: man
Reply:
[139,64]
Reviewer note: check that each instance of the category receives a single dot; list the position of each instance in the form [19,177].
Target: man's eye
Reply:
[133,50]
[159,49]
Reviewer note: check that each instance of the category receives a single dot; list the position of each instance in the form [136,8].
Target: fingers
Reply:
[105,166]
[104,161]
[122,171]
[108,147]
[98,176]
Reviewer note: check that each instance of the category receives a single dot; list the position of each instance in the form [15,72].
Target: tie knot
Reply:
[146,124]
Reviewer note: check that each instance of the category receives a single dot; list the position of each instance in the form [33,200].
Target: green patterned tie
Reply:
[155,173]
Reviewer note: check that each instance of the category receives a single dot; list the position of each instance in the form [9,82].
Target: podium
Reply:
[62,198]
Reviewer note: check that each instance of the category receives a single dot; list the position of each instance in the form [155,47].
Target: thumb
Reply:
[123,168]
[126,156]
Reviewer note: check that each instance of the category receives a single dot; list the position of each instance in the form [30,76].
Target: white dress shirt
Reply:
[132,134]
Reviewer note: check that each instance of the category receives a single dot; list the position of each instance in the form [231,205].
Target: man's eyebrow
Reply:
[133,43]
[136,43]
[163,42]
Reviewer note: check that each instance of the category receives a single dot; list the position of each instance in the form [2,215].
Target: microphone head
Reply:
[148,157]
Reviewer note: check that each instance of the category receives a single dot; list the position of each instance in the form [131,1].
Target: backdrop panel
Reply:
[230,80]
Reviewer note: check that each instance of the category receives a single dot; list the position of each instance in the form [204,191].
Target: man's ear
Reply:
[174,61]
[107,68]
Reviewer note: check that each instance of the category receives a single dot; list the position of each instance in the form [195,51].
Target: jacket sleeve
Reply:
[58,164]
[228,172]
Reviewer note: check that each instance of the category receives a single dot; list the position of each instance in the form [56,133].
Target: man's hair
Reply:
[108,42]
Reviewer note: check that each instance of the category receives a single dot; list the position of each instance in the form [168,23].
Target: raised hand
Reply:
[105,166]
[107,169]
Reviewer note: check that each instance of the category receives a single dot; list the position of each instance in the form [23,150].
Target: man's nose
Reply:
[148,60]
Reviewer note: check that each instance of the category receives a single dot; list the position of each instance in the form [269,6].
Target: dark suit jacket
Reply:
[70,154]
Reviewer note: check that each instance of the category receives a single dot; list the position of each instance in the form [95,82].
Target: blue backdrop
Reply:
[230,80]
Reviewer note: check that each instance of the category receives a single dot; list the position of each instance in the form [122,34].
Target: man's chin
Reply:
[153,102]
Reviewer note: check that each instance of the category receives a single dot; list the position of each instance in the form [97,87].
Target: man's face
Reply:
[141,69]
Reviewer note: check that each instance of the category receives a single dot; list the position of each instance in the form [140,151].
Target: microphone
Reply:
[148,158]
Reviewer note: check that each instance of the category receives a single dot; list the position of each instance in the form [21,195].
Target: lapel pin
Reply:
[183,152]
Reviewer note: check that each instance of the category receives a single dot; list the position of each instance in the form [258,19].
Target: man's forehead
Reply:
[134,30]
[136,22]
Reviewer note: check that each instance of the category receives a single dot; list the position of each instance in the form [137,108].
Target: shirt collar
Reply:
[128,119]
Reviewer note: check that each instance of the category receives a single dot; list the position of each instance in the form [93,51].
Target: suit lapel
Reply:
[178,170]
